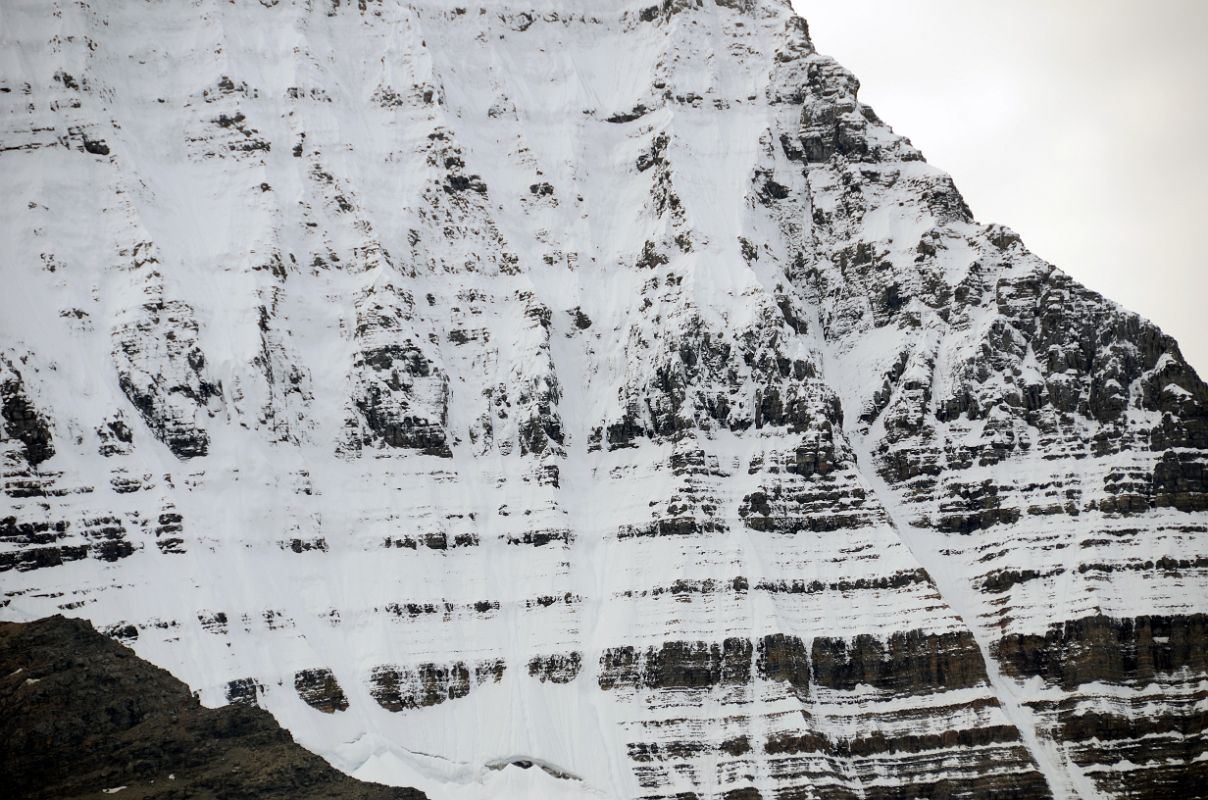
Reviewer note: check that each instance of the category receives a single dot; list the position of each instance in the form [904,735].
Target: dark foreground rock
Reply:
[81,714]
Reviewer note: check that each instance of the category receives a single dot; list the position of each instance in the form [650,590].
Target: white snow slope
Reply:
[596,386]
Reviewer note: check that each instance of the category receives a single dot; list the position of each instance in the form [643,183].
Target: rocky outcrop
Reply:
[162,371]
[22,422]
[909,662]
[320,689]
[677,665]
[558,668]
[401,688]
[81,715]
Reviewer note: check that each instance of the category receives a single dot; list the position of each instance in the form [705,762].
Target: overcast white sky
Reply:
[1082,124]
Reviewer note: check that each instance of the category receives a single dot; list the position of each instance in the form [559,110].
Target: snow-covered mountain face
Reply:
[600,386]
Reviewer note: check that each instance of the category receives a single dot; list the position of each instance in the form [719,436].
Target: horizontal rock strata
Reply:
[602,387]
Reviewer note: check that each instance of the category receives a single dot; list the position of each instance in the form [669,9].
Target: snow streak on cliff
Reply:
[598,387]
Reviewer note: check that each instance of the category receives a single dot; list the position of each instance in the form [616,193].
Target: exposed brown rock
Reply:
[907,662]
[402,688]
[1100,648]
[677,665]
[80,714]
[320,689]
